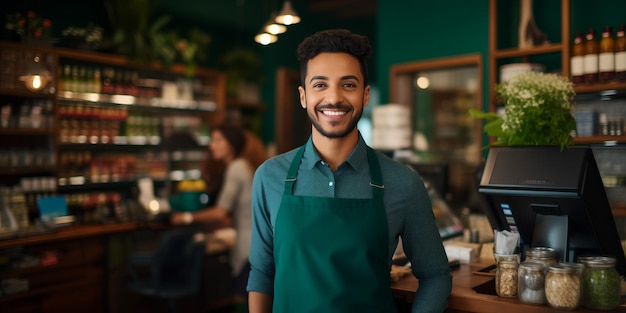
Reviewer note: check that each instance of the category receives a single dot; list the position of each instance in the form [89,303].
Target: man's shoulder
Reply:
[278,163]
[388,164]
[398,176]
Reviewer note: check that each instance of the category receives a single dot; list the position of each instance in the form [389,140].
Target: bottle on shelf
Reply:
[97,80]
[577,60]
[66,78]
[108,80]
[620,53]
[606,56]
[591,57]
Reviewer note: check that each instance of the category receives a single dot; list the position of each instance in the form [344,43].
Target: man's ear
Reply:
[302,97]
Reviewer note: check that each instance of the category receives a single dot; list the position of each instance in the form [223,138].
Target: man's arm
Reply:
[422,244]
[259,302]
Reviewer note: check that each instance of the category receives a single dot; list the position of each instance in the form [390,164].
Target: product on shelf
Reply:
[591,57]
[577,60]
[606,56]
[620,53]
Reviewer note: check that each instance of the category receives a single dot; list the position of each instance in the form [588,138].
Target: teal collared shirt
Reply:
[408,206]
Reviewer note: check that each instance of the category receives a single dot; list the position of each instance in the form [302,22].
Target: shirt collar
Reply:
[356,159]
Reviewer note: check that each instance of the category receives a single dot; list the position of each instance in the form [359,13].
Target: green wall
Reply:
[410,31]
[403,30]
[421,30]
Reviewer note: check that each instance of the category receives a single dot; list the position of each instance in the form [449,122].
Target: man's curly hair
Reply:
[334,40]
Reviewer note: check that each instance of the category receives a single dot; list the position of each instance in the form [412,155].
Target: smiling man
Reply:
[327,215]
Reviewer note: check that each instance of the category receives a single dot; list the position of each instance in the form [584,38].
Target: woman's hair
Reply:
[254,152]
[334,40]
[235,136]
[245,144]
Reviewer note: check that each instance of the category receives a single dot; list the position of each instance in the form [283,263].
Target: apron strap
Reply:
[376,176]
[293,172]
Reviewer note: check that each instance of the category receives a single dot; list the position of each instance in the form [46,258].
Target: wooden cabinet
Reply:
[76,270]
[63,271]
[590,97]
[102,122]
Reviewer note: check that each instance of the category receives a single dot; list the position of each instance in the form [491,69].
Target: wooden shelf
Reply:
[138,102]
[605,140]
[26,94]
[515,52]
[600,87]
[69,232]
[27,170]
[26,131]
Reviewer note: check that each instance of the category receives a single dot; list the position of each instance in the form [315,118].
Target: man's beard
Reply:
[337,134]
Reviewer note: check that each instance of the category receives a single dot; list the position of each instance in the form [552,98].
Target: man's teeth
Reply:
[334,112]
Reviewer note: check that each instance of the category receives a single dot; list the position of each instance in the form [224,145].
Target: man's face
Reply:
[335,94]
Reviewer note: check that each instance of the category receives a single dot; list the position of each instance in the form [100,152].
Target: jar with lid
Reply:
[542,255]
[531,282]
[576,266]
[506,279]
[601,284]
[563,287]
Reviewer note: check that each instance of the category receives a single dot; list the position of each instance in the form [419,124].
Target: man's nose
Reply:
[334,95]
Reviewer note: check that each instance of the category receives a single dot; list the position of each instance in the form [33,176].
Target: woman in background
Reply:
[238,153]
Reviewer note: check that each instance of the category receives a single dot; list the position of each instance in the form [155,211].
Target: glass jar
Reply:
[543,255]
[601,284]
[563,287]
[506,279]
[577,267]
[506,257]
[531,282]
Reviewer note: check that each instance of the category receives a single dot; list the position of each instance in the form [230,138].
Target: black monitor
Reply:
[553,198]
[435,175]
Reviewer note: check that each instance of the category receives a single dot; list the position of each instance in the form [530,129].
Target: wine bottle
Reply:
[606,57]
[577,60]
[591,57]
[620,53]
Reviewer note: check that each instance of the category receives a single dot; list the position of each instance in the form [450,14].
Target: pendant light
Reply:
[287,15]
[274,28]
[265,38]
[37,76]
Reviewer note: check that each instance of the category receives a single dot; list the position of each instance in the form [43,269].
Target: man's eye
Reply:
[349,85]
[318,85]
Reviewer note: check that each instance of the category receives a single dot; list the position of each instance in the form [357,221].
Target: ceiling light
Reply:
[274,28]
[287,15]
[265,38]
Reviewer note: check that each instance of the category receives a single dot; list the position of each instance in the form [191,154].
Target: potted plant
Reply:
[87,38]
[134,29]
[243,70]
[537,111]
[29,27]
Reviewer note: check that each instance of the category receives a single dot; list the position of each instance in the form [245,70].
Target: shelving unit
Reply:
[102,141]
[90,146]
[562,49]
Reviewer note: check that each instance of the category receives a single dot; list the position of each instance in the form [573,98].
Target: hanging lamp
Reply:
[287,15]
[274,28]
[265,38]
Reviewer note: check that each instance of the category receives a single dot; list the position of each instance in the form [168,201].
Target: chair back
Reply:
[179,259]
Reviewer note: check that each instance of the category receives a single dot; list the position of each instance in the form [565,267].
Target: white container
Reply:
[509,71]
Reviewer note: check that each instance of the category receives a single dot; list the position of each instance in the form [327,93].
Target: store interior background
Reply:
[401,31]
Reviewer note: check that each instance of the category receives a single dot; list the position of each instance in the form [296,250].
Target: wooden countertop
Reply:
[67,232]
[466,299]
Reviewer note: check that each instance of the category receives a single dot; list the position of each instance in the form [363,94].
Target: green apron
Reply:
[331,253]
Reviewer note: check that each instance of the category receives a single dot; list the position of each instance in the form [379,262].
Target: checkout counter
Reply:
[474,291]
